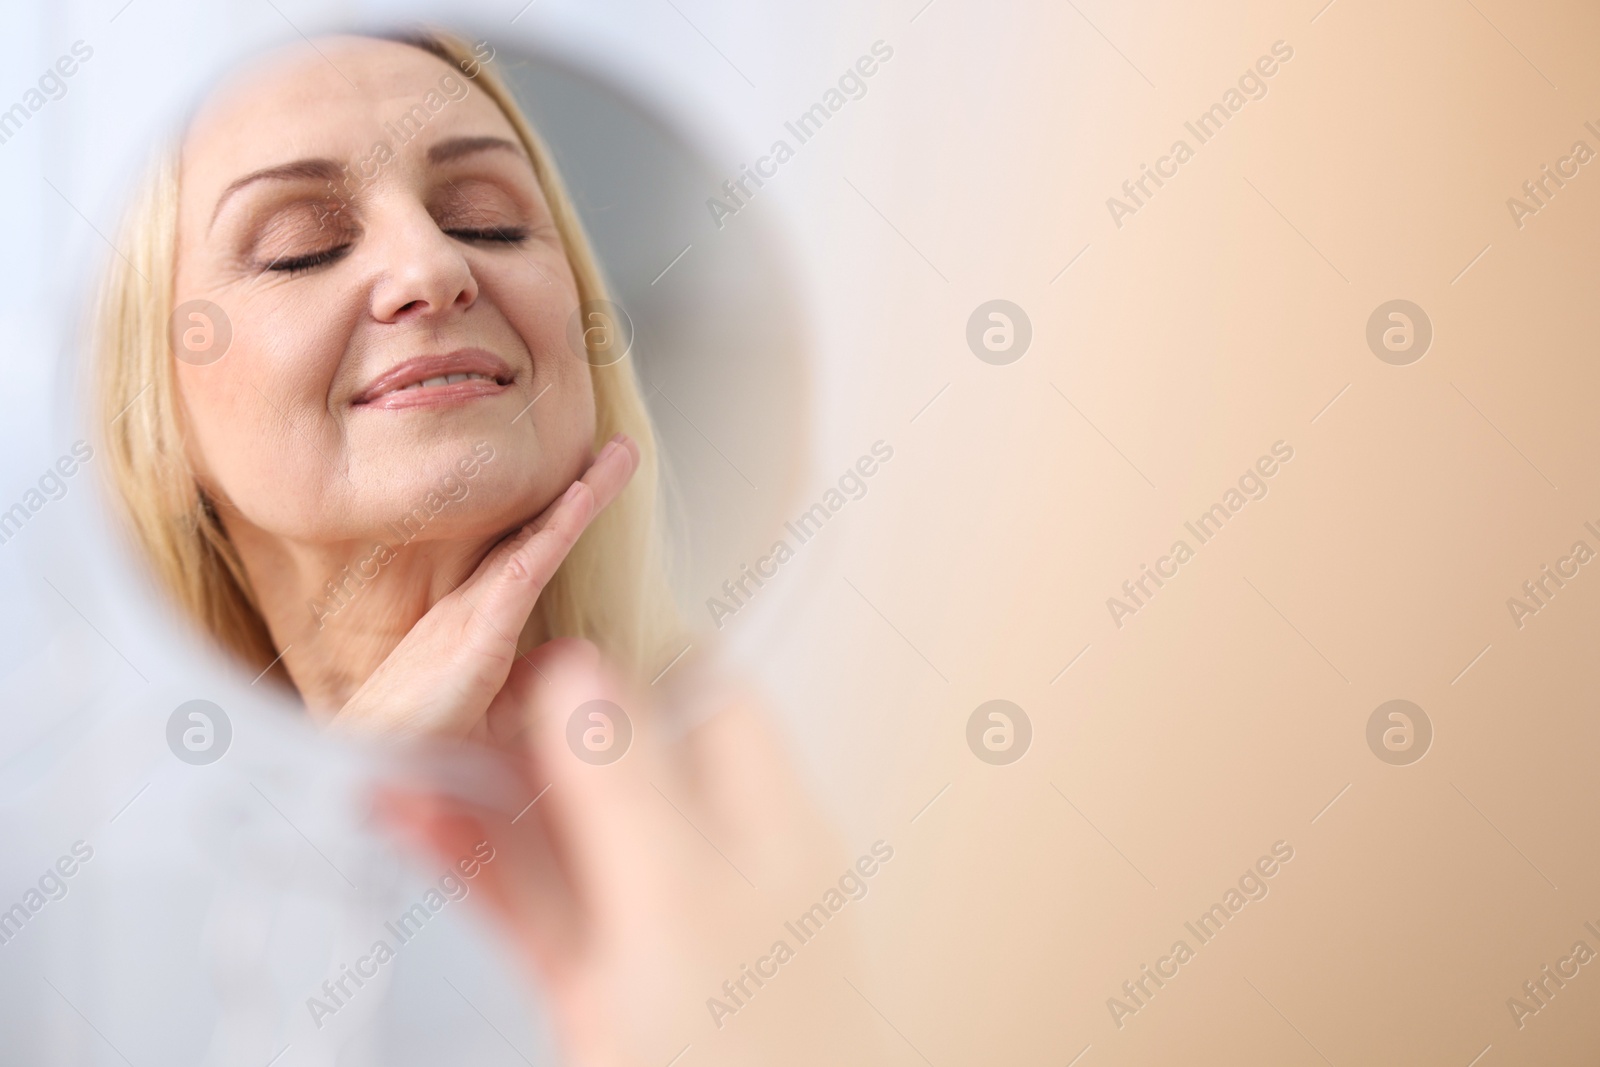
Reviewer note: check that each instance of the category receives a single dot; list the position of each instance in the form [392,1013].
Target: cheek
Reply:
[540,308]
[538,297]
[535,462]
[556,446]
[258,417]
[566,433]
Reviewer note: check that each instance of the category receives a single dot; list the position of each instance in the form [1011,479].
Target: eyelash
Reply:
[297,265]
[501,234]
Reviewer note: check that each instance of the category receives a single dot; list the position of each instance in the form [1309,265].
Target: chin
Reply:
[469,484]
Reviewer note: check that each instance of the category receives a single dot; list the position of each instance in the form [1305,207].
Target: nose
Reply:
[422,271]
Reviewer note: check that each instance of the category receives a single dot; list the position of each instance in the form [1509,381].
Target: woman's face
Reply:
[366,219]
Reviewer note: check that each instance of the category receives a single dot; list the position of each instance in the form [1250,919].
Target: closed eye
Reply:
[293,265]
[501,234]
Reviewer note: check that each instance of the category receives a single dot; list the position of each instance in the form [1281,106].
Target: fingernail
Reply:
[619,437]
[611,446]
[572,491]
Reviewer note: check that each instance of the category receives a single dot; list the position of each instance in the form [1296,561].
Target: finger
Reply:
[509,583]
[481,620]
[608,476]
[507,718]
[543,543]
[574,748]
[605,477]
[591,741]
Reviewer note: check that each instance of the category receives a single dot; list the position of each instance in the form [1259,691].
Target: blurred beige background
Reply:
[1228,313]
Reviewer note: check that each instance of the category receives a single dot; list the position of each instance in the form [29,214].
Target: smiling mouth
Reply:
[430,381]
[446,379]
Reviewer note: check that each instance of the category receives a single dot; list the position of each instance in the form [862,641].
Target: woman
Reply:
[286,488]
[356,415]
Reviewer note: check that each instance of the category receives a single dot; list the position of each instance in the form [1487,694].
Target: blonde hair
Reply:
[612,587]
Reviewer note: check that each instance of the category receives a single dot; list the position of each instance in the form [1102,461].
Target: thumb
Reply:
[590,739]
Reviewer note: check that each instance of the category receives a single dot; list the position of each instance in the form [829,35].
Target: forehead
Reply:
[334,98]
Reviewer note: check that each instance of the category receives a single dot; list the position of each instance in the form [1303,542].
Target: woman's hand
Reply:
[636,889]
[445,673]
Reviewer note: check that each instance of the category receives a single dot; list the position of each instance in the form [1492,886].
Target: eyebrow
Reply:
[456,147]
[329,171]
[299,170]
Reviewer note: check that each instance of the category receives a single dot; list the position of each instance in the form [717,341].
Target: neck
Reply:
[337,611]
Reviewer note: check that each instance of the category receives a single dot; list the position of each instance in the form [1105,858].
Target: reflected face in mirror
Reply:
[398,294]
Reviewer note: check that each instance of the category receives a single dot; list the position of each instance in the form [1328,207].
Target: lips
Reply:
[428,381]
